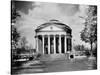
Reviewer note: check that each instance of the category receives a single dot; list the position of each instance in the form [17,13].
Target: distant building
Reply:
[53,37]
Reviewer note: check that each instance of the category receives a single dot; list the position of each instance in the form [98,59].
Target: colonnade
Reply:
[52,44]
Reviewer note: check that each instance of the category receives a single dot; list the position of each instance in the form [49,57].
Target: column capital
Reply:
[43,35]
[48,35]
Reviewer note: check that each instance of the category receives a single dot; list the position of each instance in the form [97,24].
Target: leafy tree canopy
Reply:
[89,33]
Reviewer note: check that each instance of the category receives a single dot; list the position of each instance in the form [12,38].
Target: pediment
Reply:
[51,28]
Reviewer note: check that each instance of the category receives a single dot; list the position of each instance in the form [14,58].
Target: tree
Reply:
[14,13]
[89,33]
[23,43]
[14,33]
[79,47]
[14,37]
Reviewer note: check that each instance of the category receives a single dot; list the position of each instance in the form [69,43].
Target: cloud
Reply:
[69,9]
[43,12]
[23,6]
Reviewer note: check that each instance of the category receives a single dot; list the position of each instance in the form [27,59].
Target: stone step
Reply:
[53,57]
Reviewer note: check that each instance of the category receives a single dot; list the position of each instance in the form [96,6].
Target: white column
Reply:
[59,43]
[65,44]
[54,44]
[37,47]
[43,42]
[48,44]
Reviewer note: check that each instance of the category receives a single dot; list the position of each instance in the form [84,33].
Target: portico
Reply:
[51,38]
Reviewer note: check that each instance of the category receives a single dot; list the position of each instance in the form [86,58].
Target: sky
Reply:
[34,14]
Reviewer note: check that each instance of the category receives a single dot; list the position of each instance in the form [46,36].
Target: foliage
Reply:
[15,37]
[14,13]
[89,33]
[14,33]
[79,48]
[23,42]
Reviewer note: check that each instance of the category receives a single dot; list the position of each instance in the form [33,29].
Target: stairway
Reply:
[53,57]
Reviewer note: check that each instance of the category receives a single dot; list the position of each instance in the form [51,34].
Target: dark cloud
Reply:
[23,6]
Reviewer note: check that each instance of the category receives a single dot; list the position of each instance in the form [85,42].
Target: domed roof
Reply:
[56,23]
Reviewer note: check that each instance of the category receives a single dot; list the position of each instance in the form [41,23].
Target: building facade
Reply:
[53,37]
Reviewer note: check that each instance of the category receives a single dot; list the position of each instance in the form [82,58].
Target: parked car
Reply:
[79,56]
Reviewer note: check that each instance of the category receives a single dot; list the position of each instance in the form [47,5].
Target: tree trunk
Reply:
[91,54]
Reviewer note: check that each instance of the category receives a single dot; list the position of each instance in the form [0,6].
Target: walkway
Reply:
[54,66]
